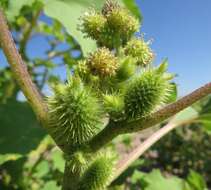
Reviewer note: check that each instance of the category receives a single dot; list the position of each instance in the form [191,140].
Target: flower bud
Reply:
[121,22]
[102,62]
[93,24]
[139,50]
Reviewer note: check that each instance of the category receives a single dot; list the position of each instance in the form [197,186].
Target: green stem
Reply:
[105,136]
[20,72]
[70,178]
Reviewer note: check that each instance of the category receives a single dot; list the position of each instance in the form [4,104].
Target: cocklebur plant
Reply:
[117,82]
[114,90]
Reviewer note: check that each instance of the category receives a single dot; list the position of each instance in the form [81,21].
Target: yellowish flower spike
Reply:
[140,51]
[103,63]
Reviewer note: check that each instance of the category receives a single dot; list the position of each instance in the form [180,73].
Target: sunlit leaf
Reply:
[8,157]
[15,6]
[132,6]
[196,181]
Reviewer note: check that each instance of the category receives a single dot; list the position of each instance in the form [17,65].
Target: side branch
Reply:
[20,71]
[124,163]
[167,111]
[114,129]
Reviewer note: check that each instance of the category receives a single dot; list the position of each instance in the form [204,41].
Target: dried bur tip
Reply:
[109,6]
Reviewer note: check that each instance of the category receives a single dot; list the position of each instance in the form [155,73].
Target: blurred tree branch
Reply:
[20,71]
[28,29]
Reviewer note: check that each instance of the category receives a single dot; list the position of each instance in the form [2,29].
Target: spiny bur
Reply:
[98,174]
[127,87]
[75,113]
[146,92]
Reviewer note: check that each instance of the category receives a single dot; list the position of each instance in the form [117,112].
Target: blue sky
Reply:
[181,32]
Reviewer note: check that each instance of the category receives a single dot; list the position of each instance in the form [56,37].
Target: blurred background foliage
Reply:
[28,156]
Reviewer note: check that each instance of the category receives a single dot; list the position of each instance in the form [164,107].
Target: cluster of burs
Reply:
[117,82]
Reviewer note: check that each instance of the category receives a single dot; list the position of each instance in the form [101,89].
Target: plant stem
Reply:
[114,129]
[70,178]
[20,72]
[123,164]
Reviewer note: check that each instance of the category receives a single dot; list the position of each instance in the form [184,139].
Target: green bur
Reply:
[146,92]
[74,114]
[98,175]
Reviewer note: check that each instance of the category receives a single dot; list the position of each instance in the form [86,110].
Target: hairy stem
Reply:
[20,71]
[114,129]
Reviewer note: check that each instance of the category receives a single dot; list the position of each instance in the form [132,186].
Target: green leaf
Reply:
[42,169]
[132,6]
[68,13]
[20,131]
[15,6]
[196,181]
[51,185]
[205,116]
[137,176]
[8,157]
[156,181]
[58,160]
[205,120]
